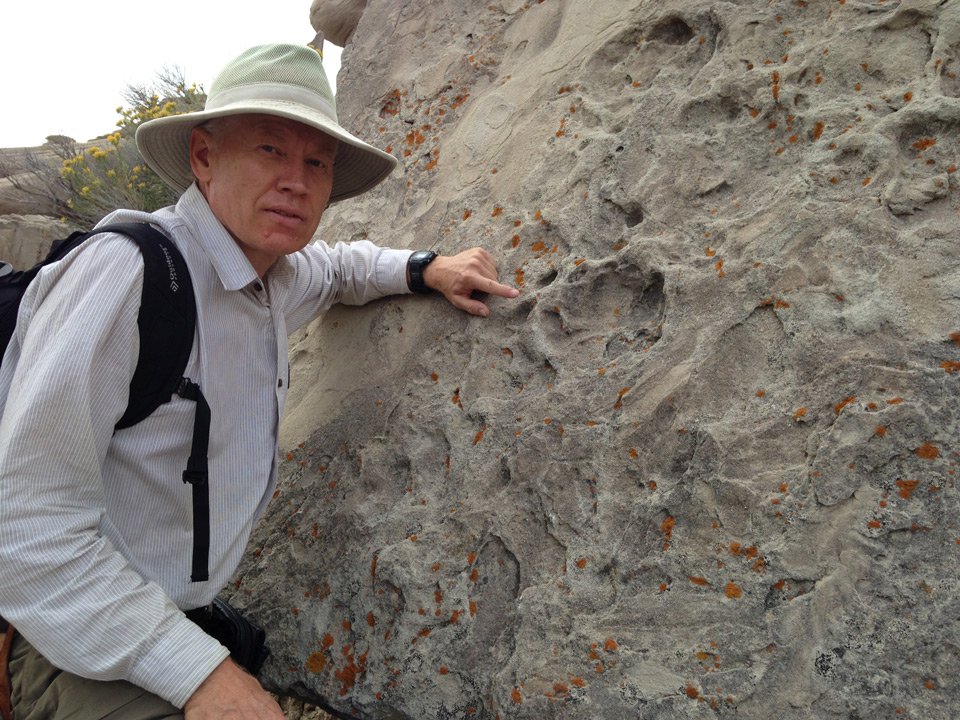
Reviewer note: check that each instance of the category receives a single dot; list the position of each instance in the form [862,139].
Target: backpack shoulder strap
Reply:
[167,321]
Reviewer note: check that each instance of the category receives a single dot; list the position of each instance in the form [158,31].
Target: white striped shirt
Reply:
[96,526]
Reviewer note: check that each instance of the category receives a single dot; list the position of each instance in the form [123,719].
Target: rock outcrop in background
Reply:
[705,465]
[27,223]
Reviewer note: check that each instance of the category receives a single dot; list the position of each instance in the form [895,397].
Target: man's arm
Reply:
[75,597]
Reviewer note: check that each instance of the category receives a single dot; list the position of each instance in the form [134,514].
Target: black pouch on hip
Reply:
[245,640]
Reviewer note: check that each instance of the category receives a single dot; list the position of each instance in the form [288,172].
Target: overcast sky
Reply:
[66,63]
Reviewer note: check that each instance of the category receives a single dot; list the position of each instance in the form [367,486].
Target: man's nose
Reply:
[293,176]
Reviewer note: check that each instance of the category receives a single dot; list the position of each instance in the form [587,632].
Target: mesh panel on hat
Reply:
[284,64]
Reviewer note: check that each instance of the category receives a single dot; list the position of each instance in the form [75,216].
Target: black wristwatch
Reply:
[415,266]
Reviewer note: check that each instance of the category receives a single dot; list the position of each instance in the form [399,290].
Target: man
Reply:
[95,526]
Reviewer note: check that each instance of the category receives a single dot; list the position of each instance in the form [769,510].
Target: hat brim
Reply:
[164,144]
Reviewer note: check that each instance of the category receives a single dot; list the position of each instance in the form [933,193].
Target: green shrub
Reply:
[100,178]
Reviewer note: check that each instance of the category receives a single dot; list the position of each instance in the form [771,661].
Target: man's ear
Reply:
[201,141]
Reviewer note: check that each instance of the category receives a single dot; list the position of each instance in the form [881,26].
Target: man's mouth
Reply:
[287,214]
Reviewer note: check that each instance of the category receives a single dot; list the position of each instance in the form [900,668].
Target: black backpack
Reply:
[166,322]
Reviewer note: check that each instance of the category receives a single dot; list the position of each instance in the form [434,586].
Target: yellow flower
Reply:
[85,190]
[111,173]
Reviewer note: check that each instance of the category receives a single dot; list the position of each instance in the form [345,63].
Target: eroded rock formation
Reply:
[706,464]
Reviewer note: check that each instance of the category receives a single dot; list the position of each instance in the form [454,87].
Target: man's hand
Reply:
[230,693]
[459,276]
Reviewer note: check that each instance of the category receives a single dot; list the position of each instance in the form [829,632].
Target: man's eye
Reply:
[269,149]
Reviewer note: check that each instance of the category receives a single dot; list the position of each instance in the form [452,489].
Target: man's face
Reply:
[267,179]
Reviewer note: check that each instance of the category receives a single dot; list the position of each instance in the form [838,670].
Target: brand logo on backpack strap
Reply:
[174,285]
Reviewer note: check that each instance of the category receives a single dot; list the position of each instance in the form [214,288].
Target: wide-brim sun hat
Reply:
[283,80]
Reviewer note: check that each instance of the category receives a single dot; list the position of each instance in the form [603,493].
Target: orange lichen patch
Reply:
[581,563]
[761,393]
[371,619]
[578,682]
[880,430]
[663,587]
[519,277]
[412,538]
[473,608]
[733,591]
[697,580]
[560,688]
[895,401]
[874,524]
[951,366]
[710,252]
[718,266]
[455,617]
[471,558]
[818,129]
[467,214]
[619,403]
[474,575]
[316,663]
[611,645]
[327,641]
[924,143]
[348,674]
[799,413]
[927,451]
[438,597]
[906,488]
[867,180]
[633,453]
[929,684]
[516,696]
[478,437]
[497,211]
[955,336]
[666,527]
[692,692]
[776,86]
[443,670]
[838,408]
[907,96]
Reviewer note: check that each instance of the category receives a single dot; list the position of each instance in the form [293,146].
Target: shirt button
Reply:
[280,383]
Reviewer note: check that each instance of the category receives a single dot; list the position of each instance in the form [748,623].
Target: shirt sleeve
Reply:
[348,273]
[67,375]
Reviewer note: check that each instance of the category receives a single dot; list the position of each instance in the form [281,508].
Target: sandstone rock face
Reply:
[25,239]
[706,464]
[336,19]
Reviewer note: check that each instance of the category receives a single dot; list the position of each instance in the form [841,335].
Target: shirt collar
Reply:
[229,262]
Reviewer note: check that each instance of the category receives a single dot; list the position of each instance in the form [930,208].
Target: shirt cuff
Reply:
[392,271]
[177,665]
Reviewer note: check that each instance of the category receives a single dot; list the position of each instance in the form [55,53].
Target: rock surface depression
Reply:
[705,464]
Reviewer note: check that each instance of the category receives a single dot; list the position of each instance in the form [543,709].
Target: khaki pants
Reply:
[42,692]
